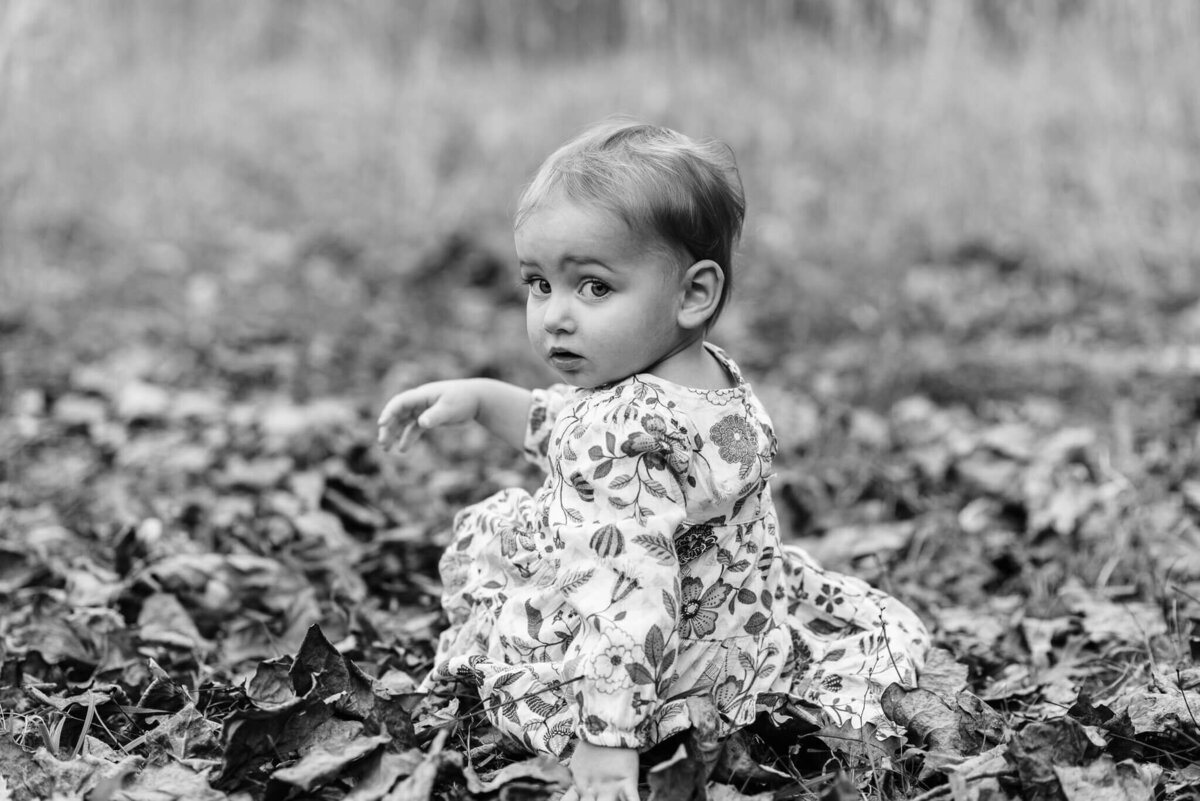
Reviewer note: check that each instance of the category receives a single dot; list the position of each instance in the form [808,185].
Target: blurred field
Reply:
[961,199]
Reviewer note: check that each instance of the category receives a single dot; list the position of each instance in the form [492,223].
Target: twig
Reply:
[936,792]
[500,704]
[887,642]
[1185,593]
[943,789]
[1183,695]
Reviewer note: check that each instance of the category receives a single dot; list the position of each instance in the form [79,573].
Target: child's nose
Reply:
[558,318]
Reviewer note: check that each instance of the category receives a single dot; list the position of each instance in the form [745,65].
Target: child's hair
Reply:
[683,192]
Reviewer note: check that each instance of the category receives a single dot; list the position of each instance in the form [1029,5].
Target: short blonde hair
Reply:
[685,192]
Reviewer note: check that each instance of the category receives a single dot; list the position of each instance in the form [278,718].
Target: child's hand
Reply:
[603,774]
[428,406]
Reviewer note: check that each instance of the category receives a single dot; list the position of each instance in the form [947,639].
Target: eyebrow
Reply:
[574,260]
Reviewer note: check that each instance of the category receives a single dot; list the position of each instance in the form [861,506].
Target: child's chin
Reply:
[578,381]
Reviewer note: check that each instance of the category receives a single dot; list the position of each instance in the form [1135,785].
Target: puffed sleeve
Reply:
[621,498]
[543,411]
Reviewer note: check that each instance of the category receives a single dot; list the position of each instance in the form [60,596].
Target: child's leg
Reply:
[851,641]
[477,567]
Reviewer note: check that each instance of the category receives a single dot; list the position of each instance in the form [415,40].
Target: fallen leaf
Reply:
[844,544]
[948,732]
[326,762]
[74,410]
[928,718]
[986,763]
[113,779]
[139,400]
[1104,780]
[1039,748]
[861,746]
[163,620]
[381,771]
[943,675]
[271,685]
[418,786]
[989,474]
[255,474]
[186,734]
[704,740]
[286,425]
[724,792]
[543,770]
[679,778]
[1039,637]
[171,781]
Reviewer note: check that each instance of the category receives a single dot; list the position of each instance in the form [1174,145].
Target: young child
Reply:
[648,567]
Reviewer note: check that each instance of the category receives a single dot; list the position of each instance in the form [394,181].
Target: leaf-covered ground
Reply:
[215,585]
[969,301]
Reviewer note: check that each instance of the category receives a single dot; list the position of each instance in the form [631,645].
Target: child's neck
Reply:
[694,366]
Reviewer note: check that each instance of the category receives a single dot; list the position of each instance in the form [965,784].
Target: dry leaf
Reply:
[943,675]
[1104,780]
[1103,620]
[327,762]
[724,792]
[1039,748]
[543,770]
[680,778]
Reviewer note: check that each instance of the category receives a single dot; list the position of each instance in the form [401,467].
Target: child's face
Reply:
[603,302]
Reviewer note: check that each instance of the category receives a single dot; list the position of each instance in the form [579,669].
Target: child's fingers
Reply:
[397,419]
[397,410]
[408,436]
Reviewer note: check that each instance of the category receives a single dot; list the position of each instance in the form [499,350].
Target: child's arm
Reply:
[501,408]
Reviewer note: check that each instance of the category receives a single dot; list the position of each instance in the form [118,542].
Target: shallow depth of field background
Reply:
[936,189]
[978,203]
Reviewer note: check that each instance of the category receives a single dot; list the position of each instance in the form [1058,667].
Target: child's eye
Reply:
[596,289]
[537,286]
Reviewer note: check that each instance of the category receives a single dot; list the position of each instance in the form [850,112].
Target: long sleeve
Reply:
[621,498]
[544,408]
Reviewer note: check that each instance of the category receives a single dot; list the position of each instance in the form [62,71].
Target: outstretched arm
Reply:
[501,408]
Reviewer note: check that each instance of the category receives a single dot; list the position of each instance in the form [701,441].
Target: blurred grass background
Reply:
[956,197]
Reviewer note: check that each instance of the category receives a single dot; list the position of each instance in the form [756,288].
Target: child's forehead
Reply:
[560,202]
[564,219]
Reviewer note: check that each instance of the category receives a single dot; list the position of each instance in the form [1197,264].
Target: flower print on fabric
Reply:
[649,567]
[736,441]
[698,612]
[660,447]
[693,542]
[617,654]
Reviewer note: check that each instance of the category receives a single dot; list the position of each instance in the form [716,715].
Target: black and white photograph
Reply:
[600,400]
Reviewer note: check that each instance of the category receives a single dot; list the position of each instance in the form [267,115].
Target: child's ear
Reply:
[702,284]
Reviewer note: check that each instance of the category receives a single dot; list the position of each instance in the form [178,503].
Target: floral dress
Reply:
[648,568]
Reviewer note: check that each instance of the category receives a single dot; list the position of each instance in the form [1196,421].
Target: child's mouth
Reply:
[565,359]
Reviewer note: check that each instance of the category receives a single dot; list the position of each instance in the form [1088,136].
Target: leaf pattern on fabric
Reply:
[648,568]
